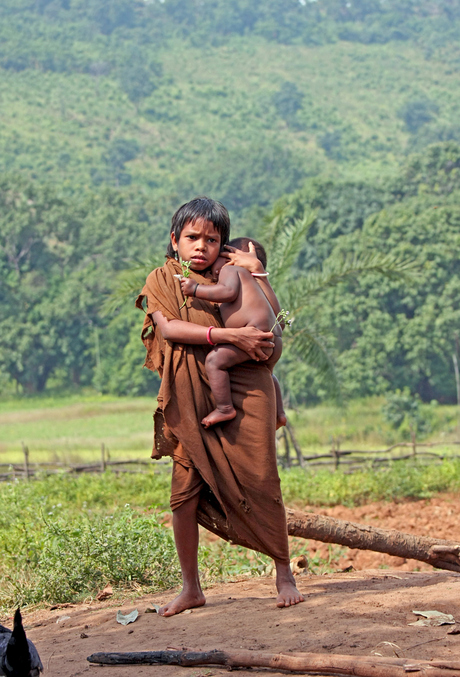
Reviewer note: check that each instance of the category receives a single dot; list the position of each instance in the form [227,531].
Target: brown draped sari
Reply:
[235,463]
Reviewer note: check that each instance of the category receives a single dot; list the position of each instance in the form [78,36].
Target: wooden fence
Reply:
[289,455]
[350,460]
[27,469]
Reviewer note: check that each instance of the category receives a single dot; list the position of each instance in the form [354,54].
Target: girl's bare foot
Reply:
[182,602]
[285,584]
[218,415]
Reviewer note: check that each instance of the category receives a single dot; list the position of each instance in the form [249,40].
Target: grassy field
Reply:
[72,428]
[62,537]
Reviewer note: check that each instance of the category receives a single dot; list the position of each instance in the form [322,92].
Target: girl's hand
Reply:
[248,260]
[188,286]
[253,341]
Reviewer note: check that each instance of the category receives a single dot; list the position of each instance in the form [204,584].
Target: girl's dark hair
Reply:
[200,208]
[243,244]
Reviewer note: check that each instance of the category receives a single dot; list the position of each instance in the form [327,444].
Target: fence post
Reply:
[25,451]
[414,443]
[102,457]
[287,446]
[335,451]
[298,450]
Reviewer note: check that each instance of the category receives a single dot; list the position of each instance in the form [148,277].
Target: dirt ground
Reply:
[356,612]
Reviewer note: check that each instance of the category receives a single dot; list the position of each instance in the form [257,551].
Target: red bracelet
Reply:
[208,337]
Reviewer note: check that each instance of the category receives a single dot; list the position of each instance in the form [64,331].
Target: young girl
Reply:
[223,478]
[242,303]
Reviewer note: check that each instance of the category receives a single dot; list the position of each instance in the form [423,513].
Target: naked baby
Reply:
[243,303]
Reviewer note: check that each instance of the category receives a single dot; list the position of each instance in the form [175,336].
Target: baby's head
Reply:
[243,244]
[200,209]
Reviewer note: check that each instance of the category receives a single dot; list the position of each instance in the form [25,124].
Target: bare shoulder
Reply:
[229,272]
[233,271]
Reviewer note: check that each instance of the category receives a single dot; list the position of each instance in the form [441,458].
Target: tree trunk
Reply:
[319,664]
[439,553]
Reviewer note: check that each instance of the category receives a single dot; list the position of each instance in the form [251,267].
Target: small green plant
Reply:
[326,565]
[185,265]
[282,317]
[122,549]
[221,560]
[66,558]
[186,268]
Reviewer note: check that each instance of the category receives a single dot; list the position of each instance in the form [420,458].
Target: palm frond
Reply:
[310,348]
[284,241]
[334,271]
[129,283]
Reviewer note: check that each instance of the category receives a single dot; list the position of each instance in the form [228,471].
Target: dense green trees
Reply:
[388,333]
[115,112]
[59,257]
[368,21]
[46,24]
[241,98]
[62,256]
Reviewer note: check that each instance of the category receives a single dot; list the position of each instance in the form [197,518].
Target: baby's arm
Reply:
[225,291]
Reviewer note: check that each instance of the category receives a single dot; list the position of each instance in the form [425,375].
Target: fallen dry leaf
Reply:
[124,619]
[104,594]
[299,565]
[433,618]
[154,609]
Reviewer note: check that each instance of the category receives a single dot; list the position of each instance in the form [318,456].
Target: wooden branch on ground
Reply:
[435,551]
[320,664]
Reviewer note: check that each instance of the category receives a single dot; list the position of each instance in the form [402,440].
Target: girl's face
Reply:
[199,242]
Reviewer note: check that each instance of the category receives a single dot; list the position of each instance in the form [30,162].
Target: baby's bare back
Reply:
[251,307]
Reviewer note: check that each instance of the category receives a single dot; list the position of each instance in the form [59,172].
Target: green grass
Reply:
[63,537]
[360,425]
[59,523]
[399,481]
[72,428]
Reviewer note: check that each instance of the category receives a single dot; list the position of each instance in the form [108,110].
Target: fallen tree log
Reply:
[437,552]
[320,664]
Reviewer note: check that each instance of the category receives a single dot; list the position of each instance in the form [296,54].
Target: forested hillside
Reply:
[241,99]
[386,333]
[116,111]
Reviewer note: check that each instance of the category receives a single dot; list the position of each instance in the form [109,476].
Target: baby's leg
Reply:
[217,362]
[281,418]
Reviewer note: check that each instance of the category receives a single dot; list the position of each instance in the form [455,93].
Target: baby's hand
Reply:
[188,286]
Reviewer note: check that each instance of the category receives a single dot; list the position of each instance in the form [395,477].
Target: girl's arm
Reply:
[225,291]
[249,339]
